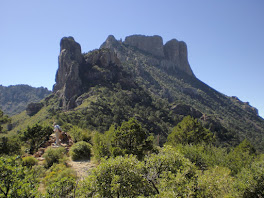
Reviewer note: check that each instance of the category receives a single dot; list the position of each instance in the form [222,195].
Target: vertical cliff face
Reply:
[173,55]
[150,44]
[68,81]
[176,52]
[77,71]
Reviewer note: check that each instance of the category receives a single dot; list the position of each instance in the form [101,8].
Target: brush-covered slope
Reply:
[142,77]
[14,99]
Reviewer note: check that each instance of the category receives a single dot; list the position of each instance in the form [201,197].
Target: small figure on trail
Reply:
[57,131]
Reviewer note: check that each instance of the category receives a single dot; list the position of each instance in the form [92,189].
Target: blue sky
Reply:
[225,38]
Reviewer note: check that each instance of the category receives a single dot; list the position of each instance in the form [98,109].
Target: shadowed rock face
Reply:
[176,52]
[67,78]
[77,72]
[33,108]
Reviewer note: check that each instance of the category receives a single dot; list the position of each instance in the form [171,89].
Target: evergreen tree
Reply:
[189,131]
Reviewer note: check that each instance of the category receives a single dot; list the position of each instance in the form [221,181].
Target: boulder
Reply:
[33,108]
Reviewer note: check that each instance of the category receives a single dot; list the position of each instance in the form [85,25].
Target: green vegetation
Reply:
[54,155]
[130,165]
[129,138]
[36,135]
[14,99]
[80,150]
[16,180]
[189,131]
[3,120]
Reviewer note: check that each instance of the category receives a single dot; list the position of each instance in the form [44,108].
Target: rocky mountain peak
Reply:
[67,77]
[77,72]
[176,52]
[150,44]
[171,56]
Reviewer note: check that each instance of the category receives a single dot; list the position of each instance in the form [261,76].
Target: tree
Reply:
[241,157]
[9,145]
[130,138]
[36,135]
[189,131]
[16,180]
[170,173]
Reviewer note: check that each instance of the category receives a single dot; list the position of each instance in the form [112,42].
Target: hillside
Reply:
[14,99]
[143,78]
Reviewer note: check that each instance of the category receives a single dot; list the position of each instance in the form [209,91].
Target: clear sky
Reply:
[225,38]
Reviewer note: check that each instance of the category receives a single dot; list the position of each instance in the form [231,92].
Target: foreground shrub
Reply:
[80,150]
[16,180]
[167,174]
[60,181]
[215,182]
[117,177]
[53,155]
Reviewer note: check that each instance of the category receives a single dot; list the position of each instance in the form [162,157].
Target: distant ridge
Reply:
[15,98]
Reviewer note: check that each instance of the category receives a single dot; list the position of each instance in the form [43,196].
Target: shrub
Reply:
[54,155]
[9,145]
[80,150]
[60,181]
[29,161]
[79,134]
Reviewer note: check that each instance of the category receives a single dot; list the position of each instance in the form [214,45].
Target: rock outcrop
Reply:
[150,44]
[176,52]
[171,56]
[245,105]
[78,72]
[68,78]
[33,108]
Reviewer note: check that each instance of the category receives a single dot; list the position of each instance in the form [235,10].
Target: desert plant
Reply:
[29,161]
[80,150]
[53,155]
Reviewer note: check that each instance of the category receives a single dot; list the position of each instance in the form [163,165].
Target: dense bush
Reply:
[60,181]
[54,155]
[80,150]
[29,161]
[167,174]
[16,180]
[129,138]
[117,177]
[36,135]
[189,131]
[77,134]
[9,145]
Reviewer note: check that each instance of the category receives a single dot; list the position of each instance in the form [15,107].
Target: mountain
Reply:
[14,99]
[143,78]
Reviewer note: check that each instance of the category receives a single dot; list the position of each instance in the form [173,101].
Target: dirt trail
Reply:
[82,168]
